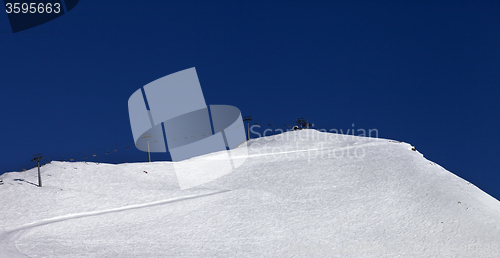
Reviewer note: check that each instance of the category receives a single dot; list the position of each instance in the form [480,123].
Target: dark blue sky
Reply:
[423,72]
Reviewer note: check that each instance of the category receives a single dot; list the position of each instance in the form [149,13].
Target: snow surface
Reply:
[298,194]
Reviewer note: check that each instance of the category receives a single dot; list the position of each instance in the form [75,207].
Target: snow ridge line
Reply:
[8,238]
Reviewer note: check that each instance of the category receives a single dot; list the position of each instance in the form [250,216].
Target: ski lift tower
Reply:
[147,138]
[37,158]
[301,122]
[248,119]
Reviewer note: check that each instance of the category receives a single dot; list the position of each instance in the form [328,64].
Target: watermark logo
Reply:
[170,113]
[24,14]
[311,144]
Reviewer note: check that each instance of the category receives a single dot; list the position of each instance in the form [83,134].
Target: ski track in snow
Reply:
[334,148]
[8,238]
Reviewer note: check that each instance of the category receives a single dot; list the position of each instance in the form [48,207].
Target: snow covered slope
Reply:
[298,194]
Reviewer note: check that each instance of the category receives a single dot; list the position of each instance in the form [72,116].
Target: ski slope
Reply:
[298,194]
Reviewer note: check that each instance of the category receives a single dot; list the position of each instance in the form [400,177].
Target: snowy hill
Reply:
[298,194]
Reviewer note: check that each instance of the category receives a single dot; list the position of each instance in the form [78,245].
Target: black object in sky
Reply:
[28,14]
